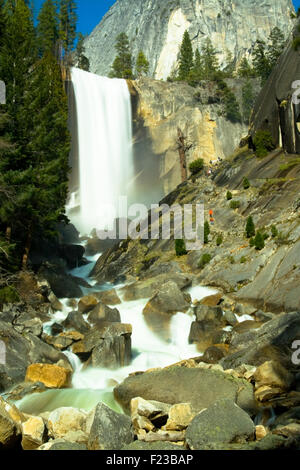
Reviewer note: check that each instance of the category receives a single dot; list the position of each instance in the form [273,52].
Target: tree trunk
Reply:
[8,234]
[27,248]
[182,156]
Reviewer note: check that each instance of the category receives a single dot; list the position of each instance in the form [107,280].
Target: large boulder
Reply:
[108,346]
[65,422]
[87,303]
[8,429]
[110,430]
[222,422]
[198,386]
[267,343]
[147,288]
[62,284]
[62,444]
[52,376]
[108,297]
[76,321]
[103,313]
[21,351]
[33,433]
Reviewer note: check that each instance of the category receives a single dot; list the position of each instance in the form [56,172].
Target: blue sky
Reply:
[90,12]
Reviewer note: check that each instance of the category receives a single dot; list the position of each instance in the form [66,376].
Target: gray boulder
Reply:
[103,313]
[199,387]
[223,422]
[110,430]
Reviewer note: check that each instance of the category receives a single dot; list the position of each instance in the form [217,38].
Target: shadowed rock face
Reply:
[275,111]
[157,27]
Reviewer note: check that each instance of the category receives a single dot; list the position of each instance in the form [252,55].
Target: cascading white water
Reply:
[104,128]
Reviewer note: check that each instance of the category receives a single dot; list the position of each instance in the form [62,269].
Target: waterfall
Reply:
[104,145]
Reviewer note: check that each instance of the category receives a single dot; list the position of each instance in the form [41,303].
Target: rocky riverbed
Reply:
[223,373]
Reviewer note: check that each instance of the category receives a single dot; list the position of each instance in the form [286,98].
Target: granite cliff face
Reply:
[157,27]
[160,108]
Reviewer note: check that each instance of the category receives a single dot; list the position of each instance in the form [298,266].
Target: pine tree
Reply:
[44,183]
[245,70]
[123,63]
[248,100]
[230,64]
[232,107]
[206,232]
[261,62]
[186,57]
[210,61]
[68,23]
[142,64]
[250,228]
[2,19]
[196,74]
[259,241]
[47,28]
[82,61]
[276,46]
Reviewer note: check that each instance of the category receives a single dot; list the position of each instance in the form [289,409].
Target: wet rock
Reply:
[150,446]
[73,254]
[61,444]
[260,432]
[214,354]
[103,313]
[33,433]
[55,303]
[75,320]
[199,387]
[50,375]
[64,421]
[223,422]
[273,374]
[87,303]
[245,326]
[180,416]
[147,288]
[170,436]
[258,346]
[62,284]
[108,297]
[110,430]
[212,300]
[8,429]
[204,312]
[21,351]
[108,346]
[56,328]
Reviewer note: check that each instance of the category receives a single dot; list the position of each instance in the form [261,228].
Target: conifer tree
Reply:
[210,60]
[186,57]
[261,62]
[276,46]
[142,64]
[196,74]
[250,228]
[47,28]
[82,61]
[123,63]
[245,70]
[68,23]
[248,100]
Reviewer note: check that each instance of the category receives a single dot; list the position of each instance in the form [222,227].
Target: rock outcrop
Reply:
[157,27]
[160,108]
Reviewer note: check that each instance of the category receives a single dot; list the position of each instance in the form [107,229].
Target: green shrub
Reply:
[229,196]
[274,231]
[250,228]
[8,295]
[263,143]
[246,183]
[231,260]
[252,242]
[265,236]
[180,248]
[259,241]
[243,260]
[219,240]
[296,43]
[206,232]
[196,166]
[235,204]
[205,259]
